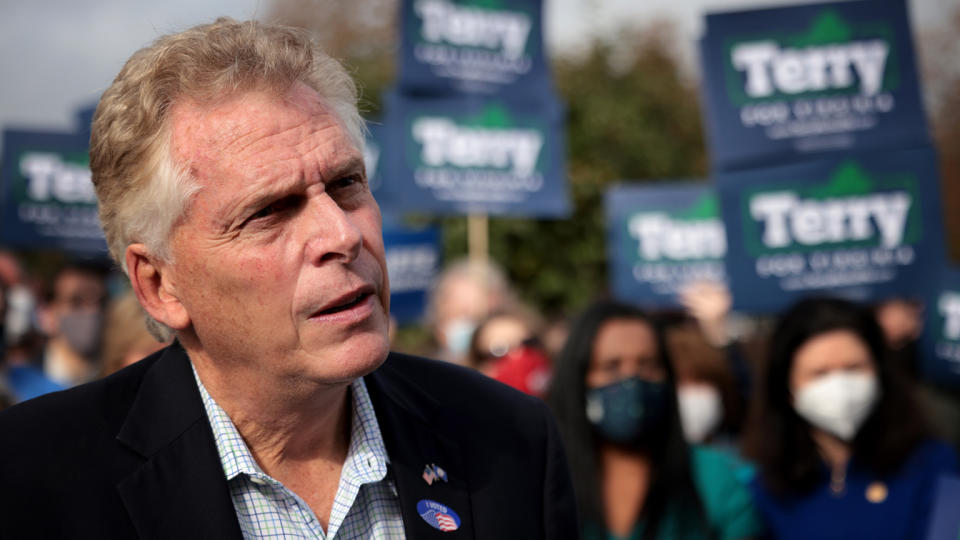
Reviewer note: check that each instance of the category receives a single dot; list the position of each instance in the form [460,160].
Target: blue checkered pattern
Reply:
[366,504]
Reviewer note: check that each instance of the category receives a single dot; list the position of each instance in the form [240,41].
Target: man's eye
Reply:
[345,182]
[273,208]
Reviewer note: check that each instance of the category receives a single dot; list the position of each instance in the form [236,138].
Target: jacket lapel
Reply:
[413,445]
[180,490]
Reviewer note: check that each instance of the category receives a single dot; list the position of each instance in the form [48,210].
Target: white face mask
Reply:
[701,410]
[458,334]
[838,402]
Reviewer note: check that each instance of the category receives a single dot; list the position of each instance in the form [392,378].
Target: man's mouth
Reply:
[359,298]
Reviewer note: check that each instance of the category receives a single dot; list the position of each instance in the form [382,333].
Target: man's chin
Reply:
[355,357]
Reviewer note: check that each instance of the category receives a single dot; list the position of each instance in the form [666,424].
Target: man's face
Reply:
[279,260]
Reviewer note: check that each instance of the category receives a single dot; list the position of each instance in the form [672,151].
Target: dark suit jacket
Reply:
[133,456]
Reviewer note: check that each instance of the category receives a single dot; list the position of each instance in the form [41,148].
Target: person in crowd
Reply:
[634,475]
[18,300]
[73,319]
[498,333]
[901,320]
[841,448]
[228,166]
[711,407]
[126,338]
[465,292]
[709,303]
[19,332]
[554,335]
[7,397]
[21,373]
[506,347]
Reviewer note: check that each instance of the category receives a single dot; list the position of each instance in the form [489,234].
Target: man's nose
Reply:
[333,236]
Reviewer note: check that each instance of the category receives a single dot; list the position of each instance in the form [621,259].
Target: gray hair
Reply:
[142,192]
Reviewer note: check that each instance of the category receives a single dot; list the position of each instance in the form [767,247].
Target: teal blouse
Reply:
[721,481]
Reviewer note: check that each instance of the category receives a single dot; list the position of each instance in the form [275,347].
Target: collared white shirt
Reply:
[366,504]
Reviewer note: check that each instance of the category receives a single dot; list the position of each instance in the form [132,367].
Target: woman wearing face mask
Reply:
[841,448]
[711,408]
[634,475]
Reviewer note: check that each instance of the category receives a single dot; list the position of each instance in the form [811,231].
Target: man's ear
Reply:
[154,287]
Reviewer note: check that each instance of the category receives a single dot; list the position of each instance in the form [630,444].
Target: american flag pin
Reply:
[432,473]
[439,516]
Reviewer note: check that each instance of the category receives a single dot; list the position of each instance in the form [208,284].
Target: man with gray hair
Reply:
[228,166]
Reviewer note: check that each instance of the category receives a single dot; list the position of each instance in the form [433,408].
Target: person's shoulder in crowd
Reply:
[28,382]
[722,483]
[74,414]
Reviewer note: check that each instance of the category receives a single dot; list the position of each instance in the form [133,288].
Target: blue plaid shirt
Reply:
[366,504]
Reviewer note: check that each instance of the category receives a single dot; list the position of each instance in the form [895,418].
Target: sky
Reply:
[59,55]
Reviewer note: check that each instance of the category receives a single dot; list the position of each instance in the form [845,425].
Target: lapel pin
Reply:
[438,516]
[877,492]
[432,473]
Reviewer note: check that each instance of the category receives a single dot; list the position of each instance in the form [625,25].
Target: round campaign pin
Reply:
[438,516]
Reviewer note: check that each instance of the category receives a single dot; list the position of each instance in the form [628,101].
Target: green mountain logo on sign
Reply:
[479,24]
[831,57]
[485,141]
[850,210]
[696,233]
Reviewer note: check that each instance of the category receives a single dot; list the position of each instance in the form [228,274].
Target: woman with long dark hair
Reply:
[634,476]
[842,450]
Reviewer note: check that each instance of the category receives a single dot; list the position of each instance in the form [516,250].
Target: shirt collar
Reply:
[366,457]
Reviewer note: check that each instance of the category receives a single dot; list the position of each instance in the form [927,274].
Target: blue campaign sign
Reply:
[372,152]
[84,118]
[463,155]
[941,330]
[865,226]
[660,237]
[374,162]
[473,47]
[413,262]
[47,199]
[804,81]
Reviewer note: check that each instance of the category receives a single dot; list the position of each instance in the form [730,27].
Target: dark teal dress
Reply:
[721,481]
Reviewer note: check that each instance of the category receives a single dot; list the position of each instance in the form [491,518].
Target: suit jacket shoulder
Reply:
[506,473]
[128,456]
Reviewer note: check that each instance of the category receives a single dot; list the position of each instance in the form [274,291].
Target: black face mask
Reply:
[628,411]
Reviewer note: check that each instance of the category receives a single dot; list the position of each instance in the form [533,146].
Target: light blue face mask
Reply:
[82,331]
[627,411]
[458,334]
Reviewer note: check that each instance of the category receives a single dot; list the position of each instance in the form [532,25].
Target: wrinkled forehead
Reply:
[204,130]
